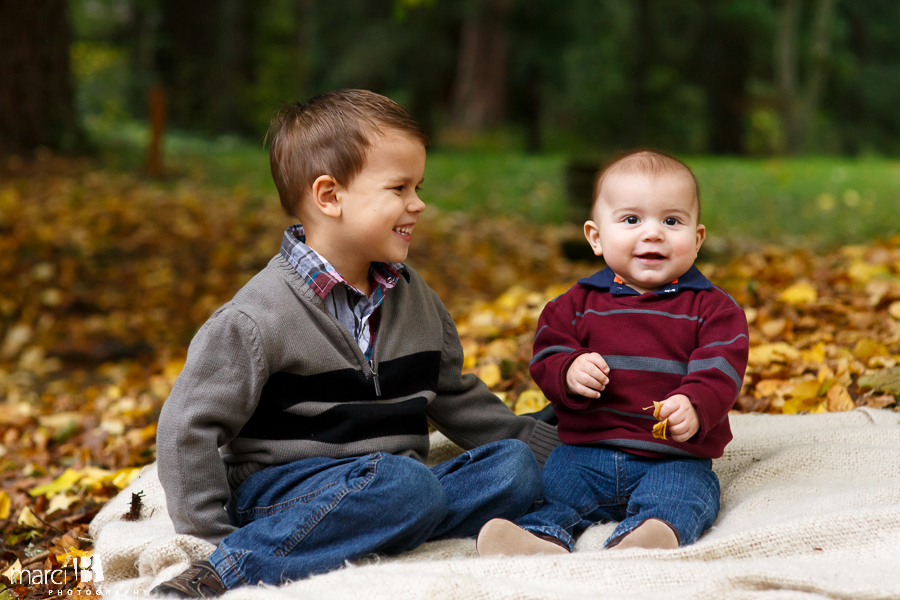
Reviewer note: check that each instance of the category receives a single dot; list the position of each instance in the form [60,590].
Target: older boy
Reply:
[304,404]
[649,327]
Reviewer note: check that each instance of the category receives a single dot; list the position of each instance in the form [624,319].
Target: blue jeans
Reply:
[584,485]
[312,515]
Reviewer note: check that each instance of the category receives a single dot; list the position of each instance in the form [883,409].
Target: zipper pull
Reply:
[375,378]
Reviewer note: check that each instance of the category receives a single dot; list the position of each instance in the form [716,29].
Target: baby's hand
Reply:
[587,376]
[683,419]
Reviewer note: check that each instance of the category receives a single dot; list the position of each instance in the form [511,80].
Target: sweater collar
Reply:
[693,279]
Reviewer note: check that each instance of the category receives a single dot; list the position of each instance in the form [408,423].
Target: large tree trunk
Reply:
[479,92]
[800,99]
[37,106]
[725,63]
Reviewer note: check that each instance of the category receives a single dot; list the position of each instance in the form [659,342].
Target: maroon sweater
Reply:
[688,338]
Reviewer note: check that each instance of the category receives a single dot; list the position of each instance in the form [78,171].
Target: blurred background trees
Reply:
[584,77]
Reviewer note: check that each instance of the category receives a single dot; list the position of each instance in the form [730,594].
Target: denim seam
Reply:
[271,509]
[232,566]
[317,518]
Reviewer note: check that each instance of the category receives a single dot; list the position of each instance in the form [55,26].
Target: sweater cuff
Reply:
[566,399]
[543,440]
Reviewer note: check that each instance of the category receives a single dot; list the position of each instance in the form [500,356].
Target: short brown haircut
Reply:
[645,162]
[329,135]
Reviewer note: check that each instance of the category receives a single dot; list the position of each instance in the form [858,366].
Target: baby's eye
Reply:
[632,220]
[671,221]
[399,188]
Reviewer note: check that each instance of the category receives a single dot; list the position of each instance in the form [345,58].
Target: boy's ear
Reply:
[324,195]
[701,235]
[592,235]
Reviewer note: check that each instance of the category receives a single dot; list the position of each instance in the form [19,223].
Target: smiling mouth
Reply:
[651,256]
[405,230]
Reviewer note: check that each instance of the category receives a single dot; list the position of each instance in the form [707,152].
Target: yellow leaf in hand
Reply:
[659,430]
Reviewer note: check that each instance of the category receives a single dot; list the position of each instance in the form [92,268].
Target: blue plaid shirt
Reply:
[351,307]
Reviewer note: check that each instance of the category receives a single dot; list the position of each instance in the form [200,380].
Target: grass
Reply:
[817,202]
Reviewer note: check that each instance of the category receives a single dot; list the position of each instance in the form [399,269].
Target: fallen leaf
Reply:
[27,518]
[490,375]
[885,380]
[765,354]
[838,399]
[894,309]
[5,504]
[530,401]
[64,482]
[14,568]
[799,294]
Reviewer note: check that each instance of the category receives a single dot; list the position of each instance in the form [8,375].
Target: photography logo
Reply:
[87,570]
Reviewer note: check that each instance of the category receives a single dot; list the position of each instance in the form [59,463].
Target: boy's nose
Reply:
[416,205]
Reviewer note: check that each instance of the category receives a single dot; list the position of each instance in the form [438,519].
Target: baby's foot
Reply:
[502,537]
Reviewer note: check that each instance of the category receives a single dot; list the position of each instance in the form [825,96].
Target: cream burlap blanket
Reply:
[810,509]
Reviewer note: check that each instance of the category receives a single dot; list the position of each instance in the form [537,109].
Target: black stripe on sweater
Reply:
[405,376]
[344,423]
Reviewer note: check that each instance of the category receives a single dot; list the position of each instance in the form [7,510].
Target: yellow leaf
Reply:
[490,375]
[779,352]
[800,293]
[60,502]
[866,348]
[894,309]
[804,397]
[123,477]
[530,401]
[27,518]
[5,504]
[659,430]
[64,482]
[838,399]
[862,271]
[501,348]
[816,354]
[13,572]
[657,405]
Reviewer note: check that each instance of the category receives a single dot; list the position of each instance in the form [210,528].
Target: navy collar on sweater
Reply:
[606,280]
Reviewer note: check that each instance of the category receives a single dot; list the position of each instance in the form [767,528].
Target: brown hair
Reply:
[329,135]
[646,162]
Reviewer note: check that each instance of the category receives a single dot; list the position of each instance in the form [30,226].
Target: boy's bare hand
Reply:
[683,419]
[587,376]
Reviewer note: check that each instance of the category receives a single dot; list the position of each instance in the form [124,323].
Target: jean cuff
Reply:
[554,532]
[227,565]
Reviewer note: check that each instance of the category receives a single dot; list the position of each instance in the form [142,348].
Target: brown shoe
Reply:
[199,581]
[502,537]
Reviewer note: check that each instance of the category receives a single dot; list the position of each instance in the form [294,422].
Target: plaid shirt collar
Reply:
[322,277]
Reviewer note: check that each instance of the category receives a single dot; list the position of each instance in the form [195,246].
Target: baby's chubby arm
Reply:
[587,376]
[684,422]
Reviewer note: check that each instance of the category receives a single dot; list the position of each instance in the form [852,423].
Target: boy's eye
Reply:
[671,221]
[632,220]
[399,188]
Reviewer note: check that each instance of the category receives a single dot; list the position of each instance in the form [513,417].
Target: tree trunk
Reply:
[37,105]
[800,100]
[479,93]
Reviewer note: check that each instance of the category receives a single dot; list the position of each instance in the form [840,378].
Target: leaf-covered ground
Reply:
[104,278]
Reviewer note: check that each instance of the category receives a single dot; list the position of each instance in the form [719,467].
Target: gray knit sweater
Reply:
[273,377]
